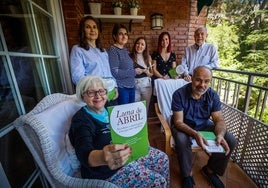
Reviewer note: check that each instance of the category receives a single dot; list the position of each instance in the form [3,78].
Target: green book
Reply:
[172,72]
[129,126]
[211,139]
[179,70]
[208,135]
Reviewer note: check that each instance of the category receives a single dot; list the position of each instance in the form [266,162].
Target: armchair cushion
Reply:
[56,120]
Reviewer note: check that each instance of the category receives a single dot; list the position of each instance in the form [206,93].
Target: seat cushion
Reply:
[56,121]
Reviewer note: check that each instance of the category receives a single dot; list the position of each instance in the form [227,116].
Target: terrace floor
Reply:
[234,176]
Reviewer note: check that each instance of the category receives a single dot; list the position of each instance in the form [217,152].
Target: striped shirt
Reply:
[122,67]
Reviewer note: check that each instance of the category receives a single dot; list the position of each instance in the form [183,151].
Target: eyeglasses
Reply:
[91,93]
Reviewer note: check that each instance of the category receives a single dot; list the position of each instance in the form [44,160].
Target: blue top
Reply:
[196,112]
[163,67]
[195,56]
[89,62]
[122,67]
[87,134]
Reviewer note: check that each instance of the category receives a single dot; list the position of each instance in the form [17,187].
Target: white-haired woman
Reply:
[90,135]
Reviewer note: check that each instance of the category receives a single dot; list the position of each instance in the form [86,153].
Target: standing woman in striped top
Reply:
[121,65]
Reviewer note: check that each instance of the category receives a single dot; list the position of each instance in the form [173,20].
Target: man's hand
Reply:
[220,140]
[200,140]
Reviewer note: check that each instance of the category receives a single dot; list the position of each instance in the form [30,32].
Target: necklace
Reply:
[165,56]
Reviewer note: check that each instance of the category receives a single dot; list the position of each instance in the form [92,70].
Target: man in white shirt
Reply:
[200,53]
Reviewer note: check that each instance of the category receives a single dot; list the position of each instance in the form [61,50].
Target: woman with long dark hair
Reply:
[143,67]
[163,59]
[90,58]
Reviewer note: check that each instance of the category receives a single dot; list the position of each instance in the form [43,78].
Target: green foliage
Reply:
[117,3]
[224,38]
[256,58]
[134,4]
[239,29]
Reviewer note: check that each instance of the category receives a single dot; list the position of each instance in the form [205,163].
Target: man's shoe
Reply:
[188,182]
[213,178]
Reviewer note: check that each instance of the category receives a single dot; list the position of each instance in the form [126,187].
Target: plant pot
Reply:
[134,11]
[117,10]
[95,8]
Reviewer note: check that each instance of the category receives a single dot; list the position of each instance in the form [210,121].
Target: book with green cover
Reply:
[211,139]
[208,135]
[129,126]
[172,72]
[176,71]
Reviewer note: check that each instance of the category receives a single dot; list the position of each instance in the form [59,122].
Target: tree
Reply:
[246,23]
[239,28]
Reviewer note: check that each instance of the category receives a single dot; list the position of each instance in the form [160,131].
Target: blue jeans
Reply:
[126,95]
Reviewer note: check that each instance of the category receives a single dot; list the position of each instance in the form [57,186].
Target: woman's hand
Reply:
[116,155]
[187,78]
[177,76]
[148,73]
[139,71]
[166,77]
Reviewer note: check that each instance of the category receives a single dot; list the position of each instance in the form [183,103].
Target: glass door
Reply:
[30,68]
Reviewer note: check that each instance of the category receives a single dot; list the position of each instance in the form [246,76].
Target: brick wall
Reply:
[179,17]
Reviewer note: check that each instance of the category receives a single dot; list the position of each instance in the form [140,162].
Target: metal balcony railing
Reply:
[245,91]
[244,97]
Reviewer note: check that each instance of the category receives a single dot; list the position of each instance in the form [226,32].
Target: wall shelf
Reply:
[111,18]
[117,18]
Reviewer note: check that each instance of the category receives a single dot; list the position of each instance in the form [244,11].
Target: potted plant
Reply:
[94,6]
[117,5]
[134,6]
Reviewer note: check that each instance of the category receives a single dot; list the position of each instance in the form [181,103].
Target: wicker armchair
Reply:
[45,132]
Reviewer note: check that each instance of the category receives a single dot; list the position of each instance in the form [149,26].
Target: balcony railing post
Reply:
[248,93]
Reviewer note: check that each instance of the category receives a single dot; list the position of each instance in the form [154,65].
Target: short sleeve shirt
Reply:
[196,111]
[163,66]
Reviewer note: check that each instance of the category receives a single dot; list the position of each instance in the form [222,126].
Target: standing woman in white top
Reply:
[143,67]
[90,58]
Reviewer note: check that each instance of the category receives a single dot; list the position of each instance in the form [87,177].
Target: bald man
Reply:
[192,106]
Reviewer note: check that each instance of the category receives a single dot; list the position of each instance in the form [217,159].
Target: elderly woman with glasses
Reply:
[90,135]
